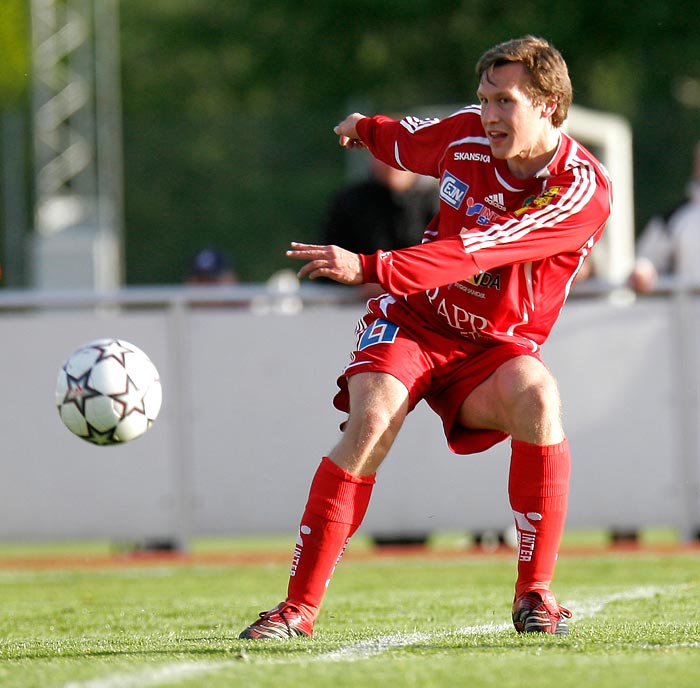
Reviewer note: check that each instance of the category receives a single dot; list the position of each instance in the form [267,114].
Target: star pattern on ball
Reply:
[113,349]
[101,438]
[79,391]
[108,392]
[131,399]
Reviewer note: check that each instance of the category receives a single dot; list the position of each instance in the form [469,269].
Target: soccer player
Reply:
[463,319]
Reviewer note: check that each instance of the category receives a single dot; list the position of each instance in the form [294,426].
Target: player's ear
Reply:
[549,107]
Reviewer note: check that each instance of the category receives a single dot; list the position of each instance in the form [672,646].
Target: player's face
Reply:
[518,130]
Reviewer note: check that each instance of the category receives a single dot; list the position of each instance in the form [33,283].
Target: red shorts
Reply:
[432,367]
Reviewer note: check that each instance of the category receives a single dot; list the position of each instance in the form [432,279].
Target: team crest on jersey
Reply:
[537,202]
[453,190]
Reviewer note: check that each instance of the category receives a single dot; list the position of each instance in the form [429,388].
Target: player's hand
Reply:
[332,262]
[347,132]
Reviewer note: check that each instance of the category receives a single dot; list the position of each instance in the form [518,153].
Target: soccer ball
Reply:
[108,392]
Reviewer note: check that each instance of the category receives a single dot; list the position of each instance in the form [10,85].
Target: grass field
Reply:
[435,618]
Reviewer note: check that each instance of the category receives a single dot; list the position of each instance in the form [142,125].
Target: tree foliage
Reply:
[229,106]
[14,39]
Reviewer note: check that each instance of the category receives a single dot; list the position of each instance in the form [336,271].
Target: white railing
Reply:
[248,376]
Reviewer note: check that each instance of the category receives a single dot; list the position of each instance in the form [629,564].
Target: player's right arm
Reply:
[331,262]
[408,144]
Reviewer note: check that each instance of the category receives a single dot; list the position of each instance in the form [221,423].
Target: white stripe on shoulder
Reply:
[573,201]
[573,154]
[413,124]
[473,108]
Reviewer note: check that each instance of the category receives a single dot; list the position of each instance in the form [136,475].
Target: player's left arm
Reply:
[568,216]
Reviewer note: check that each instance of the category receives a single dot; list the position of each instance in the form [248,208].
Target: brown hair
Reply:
[549,76]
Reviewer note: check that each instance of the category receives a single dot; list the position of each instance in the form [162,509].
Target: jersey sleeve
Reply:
[417,268]
[411,143]
[568,216]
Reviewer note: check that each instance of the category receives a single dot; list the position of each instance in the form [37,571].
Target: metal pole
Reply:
[687,380]
[110,273]
[15,197]
[175,388]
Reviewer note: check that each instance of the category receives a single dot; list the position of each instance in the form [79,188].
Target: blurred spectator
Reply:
[388,210]
[211,266]
[281,295]
[670,243]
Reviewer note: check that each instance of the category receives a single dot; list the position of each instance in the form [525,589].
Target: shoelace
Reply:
[563,611]
[282,615]
[566,613]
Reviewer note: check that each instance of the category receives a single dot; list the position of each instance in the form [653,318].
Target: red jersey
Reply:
[497,262]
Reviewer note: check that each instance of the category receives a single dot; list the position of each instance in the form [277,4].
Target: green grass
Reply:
[388,621]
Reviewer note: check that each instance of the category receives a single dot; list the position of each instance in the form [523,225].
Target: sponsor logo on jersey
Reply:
[486,280]
[379,332]
[468,324]
[496,200]
[537,202]
[472,157]
[467,289]
[484,214]
[453,190]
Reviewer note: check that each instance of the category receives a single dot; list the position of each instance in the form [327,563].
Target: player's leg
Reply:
[337,502]
[341,489]
[521,399]
[378,407]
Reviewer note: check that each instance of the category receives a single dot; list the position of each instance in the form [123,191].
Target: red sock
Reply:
[538,487]
[336,506]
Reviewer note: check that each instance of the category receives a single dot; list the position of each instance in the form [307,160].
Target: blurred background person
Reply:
[387,210]
[670,242]
[211,266]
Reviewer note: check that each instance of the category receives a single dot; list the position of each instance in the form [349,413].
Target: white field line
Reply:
[181,671]
[589,608]
[166,674]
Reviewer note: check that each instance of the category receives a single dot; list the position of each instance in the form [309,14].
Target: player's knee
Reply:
[367,438]
[376,421]
[531,392]
[369,427]
[539,398]
[536,415]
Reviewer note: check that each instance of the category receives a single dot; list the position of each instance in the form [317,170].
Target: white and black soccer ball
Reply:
[108,392]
